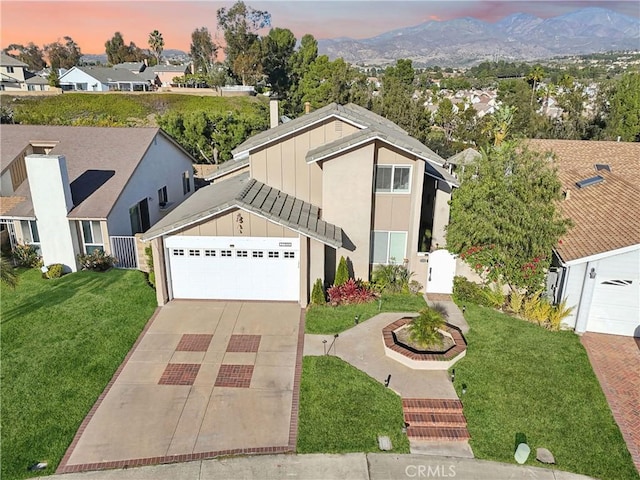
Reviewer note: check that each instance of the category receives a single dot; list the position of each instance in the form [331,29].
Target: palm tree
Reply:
[566,81]
[156,44]
[535,75]
[7,273]
[500,123]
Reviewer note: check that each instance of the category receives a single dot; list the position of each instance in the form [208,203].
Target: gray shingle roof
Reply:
[228,167]
[9,61]
[92,154]
[242,191]
[465,157]
[107,75]
[168,68]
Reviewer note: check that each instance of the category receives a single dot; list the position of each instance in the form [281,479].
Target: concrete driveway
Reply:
[206,378]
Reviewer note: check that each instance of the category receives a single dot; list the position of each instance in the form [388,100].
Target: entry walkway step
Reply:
[435,419]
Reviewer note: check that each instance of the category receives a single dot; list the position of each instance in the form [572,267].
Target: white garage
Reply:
[233,268]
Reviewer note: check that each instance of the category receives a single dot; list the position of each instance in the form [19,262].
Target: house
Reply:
[339,181]
[105,79]
[72,190]
[16,77]
[166,73]
[596,267]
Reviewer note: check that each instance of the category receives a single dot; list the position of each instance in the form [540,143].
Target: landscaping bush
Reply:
[342,273]
[493,295]
[394,278]
[55,270]
[423,329]
[558,313]
[97,260]
[466,291]
[151,276]
[351,292]
[26,256]
[317,294]
[515,301]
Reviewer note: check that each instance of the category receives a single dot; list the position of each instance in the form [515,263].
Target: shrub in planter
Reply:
[317,294]
[423,330]
[96,260]
[55,270]
[342,273]
[26,256]
[353,291]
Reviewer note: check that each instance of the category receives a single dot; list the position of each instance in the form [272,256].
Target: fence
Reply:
[125,251]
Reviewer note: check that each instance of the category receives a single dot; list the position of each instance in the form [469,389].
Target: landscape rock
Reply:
[384,443]
[545,456]
[522,453]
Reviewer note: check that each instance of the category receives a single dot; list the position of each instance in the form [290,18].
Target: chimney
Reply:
[273,113]
[567,194]
[307,107]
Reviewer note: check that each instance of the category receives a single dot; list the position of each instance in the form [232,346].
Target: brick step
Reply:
[438,433]
[431,405]
[435,419]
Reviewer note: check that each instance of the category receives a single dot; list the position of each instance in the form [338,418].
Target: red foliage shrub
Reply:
[351,292]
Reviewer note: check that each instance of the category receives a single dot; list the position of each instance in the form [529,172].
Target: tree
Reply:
[301,62]
[118,52]
[342,273]
[500,124]
[239,24]
[54,78]
[63,55]
[203,50]
[156,44]
[534,77]
[326,82]
[526,121]
[623,117]
[30,54]
[505,218]
[8,275]
[277,51]
[248,65]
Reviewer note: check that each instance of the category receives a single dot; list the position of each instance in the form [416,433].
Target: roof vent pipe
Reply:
[307,107]
[619,138]
[273,113]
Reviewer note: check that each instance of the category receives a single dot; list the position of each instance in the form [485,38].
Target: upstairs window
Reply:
[9,69]
[186,183]
[393,178]
[162,196]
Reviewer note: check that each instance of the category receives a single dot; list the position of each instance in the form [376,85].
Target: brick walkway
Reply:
[616,362]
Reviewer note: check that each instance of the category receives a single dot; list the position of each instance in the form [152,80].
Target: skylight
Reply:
[602,166]
[589,181]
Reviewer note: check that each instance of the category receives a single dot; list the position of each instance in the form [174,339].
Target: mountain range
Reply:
[469,41]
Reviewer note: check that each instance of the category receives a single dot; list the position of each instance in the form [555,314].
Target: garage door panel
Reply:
[245,268]
[615,307]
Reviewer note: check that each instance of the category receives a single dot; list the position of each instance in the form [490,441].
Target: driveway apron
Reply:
[207,378]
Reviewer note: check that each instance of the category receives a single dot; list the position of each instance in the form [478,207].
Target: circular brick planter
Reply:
[423,360]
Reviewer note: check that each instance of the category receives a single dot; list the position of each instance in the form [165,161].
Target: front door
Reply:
[442,269]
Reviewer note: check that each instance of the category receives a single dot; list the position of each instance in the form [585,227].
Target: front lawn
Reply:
[62,340]
[523,379]
[329,320]
[344,410]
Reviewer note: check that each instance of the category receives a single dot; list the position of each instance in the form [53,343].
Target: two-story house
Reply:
[72,190]
[340,181]
[16,77]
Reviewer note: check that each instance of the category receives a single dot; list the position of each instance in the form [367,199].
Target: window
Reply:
[209,253]
[393,178]
[618,283]
[162,196]
[186,183]
[30,233]
[9,69]
[194,252]
[31,88]
[178,252]
[289,255]
[225,253]
[257,254]
[242,253]
[91,236]
[274,254]
[388,247]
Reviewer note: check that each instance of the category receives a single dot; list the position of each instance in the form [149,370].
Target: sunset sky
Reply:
[91,23]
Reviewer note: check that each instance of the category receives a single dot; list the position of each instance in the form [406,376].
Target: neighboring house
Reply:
[597,264]
[69,190]
[166,73]
[105,79]
[340,181]
[16,77]
[458,162]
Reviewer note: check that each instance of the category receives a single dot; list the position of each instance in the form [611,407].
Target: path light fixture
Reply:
[356,319]
[453,375]
[464,308]
[324,346]
[464,388]
[387,381]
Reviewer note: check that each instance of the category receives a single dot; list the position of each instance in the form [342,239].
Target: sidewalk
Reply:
[354,466]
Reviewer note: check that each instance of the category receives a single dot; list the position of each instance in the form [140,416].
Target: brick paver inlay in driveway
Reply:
[179,374]
[616,362]
[244,343]
[238,376]
[194,342]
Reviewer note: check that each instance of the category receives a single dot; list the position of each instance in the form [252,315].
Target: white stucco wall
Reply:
[75,76]
[51,197]
[163,164]
[574,278]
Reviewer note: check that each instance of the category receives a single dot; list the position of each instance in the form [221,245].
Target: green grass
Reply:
[122,109]
[522,379]
[62,340]
[344,410]
[329,320]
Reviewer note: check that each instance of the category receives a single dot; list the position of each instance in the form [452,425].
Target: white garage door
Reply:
[615,306]
[234,268]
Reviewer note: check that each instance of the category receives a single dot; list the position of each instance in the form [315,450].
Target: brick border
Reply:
[458,338]
[62,466]
[295,403]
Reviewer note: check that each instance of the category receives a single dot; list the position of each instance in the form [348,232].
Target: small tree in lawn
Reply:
[505,218]
[317,294]
[342,273]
